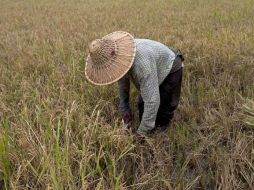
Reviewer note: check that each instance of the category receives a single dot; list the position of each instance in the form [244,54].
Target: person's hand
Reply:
[139,138]
[127,118]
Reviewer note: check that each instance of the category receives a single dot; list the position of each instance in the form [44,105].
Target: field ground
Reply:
[60,132]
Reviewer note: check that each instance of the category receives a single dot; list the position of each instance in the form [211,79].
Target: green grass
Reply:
[60,132]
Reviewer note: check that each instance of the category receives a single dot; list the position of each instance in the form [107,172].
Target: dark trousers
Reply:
[170,91]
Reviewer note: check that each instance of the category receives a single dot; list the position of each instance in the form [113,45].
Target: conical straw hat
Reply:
[110,58]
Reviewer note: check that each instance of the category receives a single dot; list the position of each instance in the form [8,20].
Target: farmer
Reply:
[154,69]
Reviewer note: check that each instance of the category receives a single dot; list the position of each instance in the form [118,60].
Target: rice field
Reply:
[58,131]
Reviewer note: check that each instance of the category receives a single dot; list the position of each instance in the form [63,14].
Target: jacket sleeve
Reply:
[149,89]
[124,90]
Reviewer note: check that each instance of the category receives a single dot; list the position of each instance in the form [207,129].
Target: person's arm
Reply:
[149,89]
[124,90]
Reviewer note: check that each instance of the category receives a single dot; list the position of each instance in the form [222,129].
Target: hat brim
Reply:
[119,66]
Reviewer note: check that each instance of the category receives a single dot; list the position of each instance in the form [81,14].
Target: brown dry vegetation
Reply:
[60,132]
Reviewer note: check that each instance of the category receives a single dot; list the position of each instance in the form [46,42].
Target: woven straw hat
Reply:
[110,58]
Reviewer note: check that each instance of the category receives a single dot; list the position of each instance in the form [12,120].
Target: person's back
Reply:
[151,56]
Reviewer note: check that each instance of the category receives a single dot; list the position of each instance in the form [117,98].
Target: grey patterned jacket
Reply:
[152,63]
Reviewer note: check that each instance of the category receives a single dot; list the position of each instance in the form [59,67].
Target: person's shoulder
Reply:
[144,59]
[140,41]
[147,45]
[143,47]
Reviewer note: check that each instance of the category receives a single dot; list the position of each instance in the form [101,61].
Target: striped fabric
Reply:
[153,62]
